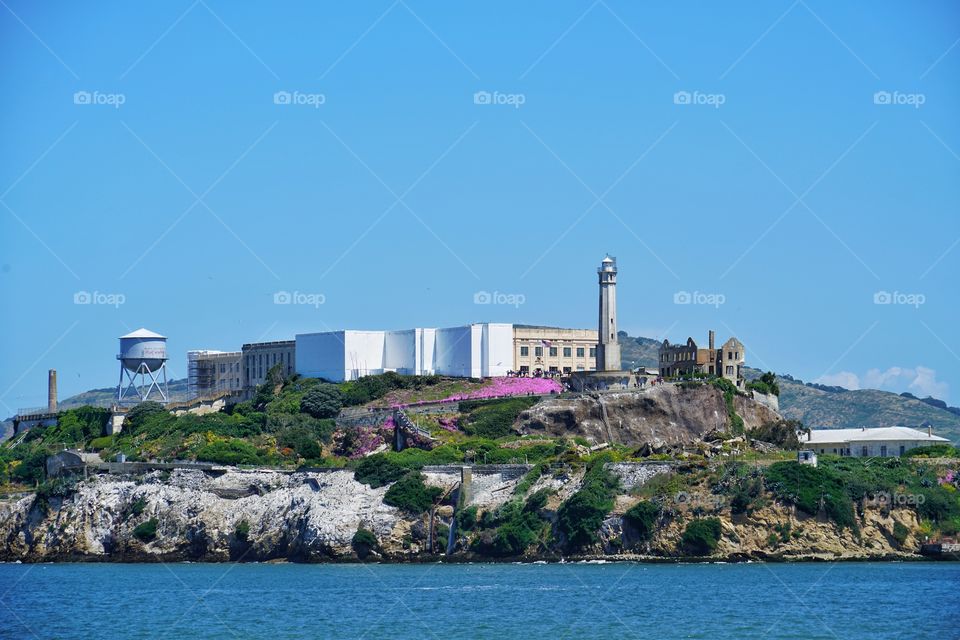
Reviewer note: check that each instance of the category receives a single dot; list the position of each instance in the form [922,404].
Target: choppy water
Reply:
[446,602]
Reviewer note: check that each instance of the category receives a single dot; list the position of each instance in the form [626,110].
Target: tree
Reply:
[323,401]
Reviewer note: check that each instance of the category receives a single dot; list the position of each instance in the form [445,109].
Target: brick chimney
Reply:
[712,335]
[52,391]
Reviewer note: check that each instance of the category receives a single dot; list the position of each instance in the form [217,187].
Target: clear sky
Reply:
[738,152]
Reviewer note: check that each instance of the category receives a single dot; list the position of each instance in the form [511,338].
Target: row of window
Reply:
[864,451]
[525,369]
[567,352]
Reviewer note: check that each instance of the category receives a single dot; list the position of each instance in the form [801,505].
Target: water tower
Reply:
[143,358]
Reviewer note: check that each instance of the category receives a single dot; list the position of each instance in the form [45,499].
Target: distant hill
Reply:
[830,407]
[638,352]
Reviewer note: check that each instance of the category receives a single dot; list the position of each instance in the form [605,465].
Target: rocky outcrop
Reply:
[313,516]
[665,414]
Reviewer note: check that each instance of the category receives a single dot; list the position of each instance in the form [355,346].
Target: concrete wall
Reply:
[874,447]
[322,355]
[478,350]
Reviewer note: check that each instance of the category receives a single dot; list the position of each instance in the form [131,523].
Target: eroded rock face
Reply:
[663,415]
[313,516]
[300,516]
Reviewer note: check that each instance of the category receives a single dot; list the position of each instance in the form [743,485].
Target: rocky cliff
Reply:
[667,413]
[313,517]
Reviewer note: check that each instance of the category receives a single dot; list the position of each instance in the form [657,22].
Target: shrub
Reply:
[378,470]
[323,401]
[813,488]
[582,514]
[138,416]
[232,452]
[518,526]
[302,440]
[529,479]
[933,451]
[467,518]
[900,533]
[146,531]
[242,531]
[643,517]
[363,542]
[411,494]
[766,383]
[138,506]
[701,536]
[493,418]
[782,433]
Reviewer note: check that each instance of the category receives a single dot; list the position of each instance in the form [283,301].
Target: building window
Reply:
[553,369]
[538,351]
[863,452]
[580,367]
[883,451]
[593,352]
[566,352]
[524,351]
[524,369]
[729,371]
[553,352]
[566,369]
[579,352]
[902,449]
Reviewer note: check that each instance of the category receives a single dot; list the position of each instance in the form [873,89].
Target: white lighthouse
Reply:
[608,349]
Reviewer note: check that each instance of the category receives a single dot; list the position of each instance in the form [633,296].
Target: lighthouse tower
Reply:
[608,349]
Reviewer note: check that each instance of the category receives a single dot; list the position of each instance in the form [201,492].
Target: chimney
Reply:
[929,431]
[52,391]
[712,336]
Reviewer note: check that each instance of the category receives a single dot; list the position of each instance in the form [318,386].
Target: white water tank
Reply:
[142,347]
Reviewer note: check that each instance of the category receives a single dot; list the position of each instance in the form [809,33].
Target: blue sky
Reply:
[739,153]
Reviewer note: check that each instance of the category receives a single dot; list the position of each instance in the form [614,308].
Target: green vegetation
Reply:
[242,531]
[782,433]
[766,383]
[233,452]
[934,451]
[513,527]
[138,506]
[812,489]
[700,537]
[493,418]
[411,494]
[364,541]
[643,517]
[146,531]
[729,391]
[378,470]
[323,401]
[582,514]
[900,533]
[530,479]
